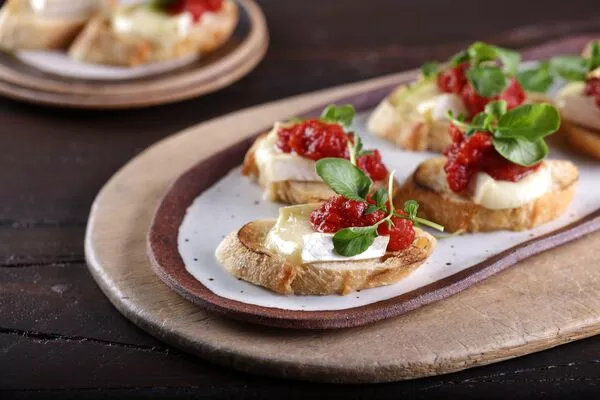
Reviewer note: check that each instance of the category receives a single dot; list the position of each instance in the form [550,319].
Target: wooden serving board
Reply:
[543,301]
[236,58]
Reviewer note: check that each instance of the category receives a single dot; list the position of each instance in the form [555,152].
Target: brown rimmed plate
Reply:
[167,263]
[236,58]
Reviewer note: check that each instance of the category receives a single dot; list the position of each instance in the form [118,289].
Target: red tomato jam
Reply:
[194,7]
[454,80]
[315,139]
[468,155]
[338,213]
[592,88]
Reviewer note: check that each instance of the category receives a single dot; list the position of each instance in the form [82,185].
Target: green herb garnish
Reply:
[576,68]
[430,69]
[538,79]
[346,179]
[517,134]
[489,69]
[342,115]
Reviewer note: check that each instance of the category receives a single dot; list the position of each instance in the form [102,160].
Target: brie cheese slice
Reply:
[499,195]
[152,25]
[436,108]
[294,238]
[276,166]
[318,247]
[577,107]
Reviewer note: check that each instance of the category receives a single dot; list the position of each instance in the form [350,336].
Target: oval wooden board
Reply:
[546,300]
[234,60]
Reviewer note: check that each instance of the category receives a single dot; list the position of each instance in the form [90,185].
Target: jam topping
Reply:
[338,213]
[315,139]
[194,7]
[592,88]
[454,80]
[468,155]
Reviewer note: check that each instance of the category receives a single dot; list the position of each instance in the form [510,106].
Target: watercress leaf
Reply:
[380,197]
[479,120]
[411,207]
[430,69]
[344,178]
[365,153]
[571,68]
[538,79]
[595,55]
[480,52]
[349,242]
[496,108]
[371,209]
[522,152]
[529,122]
[510,60]
[342,115]
[487,81]
[459,58]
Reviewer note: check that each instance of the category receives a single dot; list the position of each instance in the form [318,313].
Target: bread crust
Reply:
[98,43]
[583,139]
[459,214]
[21,29]
[290,192]
[243,254]
[415,132]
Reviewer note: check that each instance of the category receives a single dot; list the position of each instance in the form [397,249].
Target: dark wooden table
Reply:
[59,335]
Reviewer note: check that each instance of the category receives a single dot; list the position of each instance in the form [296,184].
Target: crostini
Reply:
[157,30]
[579,100]
[494,175]
[43,24]
[415,116]
[355,240]
[282,161]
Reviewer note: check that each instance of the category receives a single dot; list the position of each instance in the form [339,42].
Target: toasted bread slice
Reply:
[244,255]
[414,131]
[22,29]
[290,192]
[585,140]
[99,43]
[428,186]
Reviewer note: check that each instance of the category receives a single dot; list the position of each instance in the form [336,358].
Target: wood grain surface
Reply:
[71,343]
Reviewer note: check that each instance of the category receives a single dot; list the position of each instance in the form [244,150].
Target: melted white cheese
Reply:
[152,25]
[293,237]
[499,195]
[64,8]
[425,98]
[436,108]
[577,107]
[318,247]
[276,166]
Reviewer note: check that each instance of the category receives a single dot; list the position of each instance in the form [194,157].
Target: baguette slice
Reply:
[22,29]
[583,139]
[290,192]
[414,131]
[98,43]
[427,185]
[244,255]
